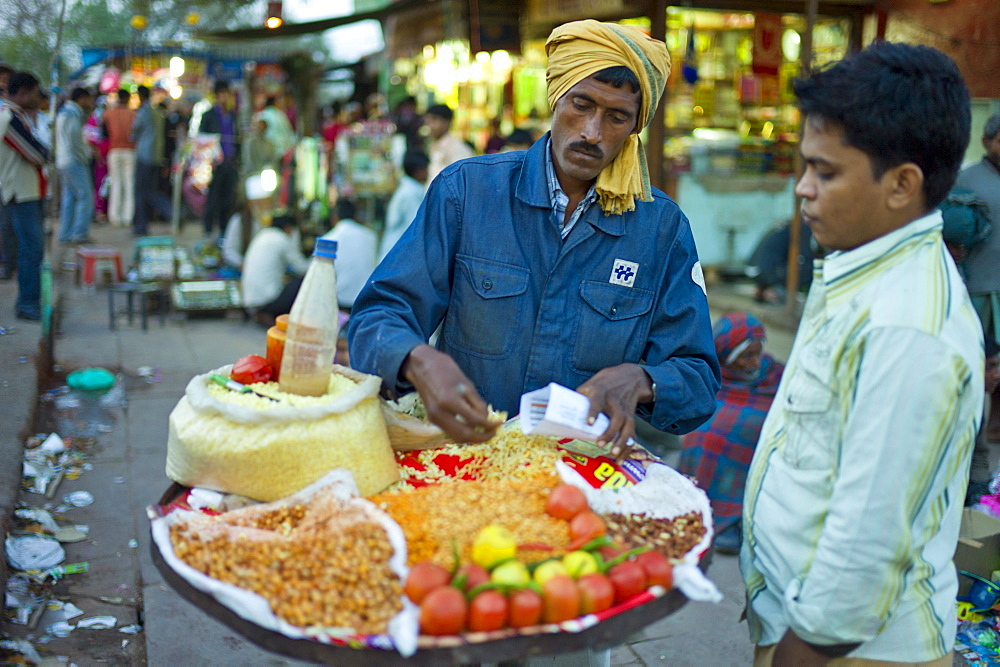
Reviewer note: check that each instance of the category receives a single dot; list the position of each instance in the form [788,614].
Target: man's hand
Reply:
[452,401]
[616,391]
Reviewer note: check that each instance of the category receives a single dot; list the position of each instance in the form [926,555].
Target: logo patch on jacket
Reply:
[623,273]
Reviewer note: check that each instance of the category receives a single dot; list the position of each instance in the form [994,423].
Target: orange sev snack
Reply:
[434,517]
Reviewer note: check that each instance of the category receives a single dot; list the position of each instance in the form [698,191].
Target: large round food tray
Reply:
[595,631]
[609,632]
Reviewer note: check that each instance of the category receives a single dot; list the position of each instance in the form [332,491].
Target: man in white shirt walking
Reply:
[445,147]
[73,161]
[356,246]
[855,493]
[405,200]
[273,252]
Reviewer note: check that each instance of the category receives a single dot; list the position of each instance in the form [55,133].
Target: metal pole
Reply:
[795,232]
[657,130]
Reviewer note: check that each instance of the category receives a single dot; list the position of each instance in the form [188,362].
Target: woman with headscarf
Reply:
[719,452]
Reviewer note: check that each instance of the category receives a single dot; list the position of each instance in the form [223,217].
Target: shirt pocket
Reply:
[611,328]
[811,421]
[486,306]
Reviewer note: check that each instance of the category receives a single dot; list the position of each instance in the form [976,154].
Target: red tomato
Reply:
[585,526]
[525,608]
[474,575]
[628,579]
[251,368]
[424,578]
[610,552]
[487,611]
[443,612]
[565,502]
[659,571]
[596,593]
[560,599]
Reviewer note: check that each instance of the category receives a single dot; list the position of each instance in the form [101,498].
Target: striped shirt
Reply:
[855,493]
[22,157]
[560,200]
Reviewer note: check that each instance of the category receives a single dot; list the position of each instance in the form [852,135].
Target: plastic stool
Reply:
[93,258]
[144,290]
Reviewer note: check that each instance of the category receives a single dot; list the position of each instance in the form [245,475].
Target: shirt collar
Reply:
[840,269]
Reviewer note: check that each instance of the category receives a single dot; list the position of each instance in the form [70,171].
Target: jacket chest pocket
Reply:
[611,328]
[486,306]
[811,426]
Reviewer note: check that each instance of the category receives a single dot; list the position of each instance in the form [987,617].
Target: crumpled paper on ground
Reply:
[33,552]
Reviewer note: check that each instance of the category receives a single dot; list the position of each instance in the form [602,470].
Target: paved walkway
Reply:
[128,475]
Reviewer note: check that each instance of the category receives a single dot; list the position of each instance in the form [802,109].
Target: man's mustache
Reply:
[589,149]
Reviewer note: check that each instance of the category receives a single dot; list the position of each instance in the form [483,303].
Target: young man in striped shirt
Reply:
[22,187]
[855,493]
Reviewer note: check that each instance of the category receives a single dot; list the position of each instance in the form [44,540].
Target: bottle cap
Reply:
[281,321]
[326,248]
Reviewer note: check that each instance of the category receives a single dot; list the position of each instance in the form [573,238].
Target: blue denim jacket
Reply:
[521,307]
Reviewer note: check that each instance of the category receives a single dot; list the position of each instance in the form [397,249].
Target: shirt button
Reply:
[614,310]
[487,283]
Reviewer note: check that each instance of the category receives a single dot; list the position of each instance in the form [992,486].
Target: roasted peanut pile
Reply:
[671,537]
[314,572]
[434,517]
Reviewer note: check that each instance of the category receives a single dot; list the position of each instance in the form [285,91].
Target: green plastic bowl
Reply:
[91,379]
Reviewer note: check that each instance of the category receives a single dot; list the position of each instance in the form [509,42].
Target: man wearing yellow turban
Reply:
[556,264]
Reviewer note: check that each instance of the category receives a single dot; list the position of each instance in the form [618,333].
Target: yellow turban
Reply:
[579,49]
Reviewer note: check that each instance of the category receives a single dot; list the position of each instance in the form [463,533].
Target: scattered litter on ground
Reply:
[78,414]
[133,543]
[22,646]
[98,623]
[79,498]
[33,552]
[70,534]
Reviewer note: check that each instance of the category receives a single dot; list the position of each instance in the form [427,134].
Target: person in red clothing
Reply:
[718,453]
[118,120]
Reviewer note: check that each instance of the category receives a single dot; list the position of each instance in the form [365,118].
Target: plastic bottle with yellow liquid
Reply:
[311,339]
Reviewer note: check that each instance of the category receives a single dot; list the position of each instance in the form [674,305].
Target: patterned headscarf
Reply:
[582,48]
[733,333]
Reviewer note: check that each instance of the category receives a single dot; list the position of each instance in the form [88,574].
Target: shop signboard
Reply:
[498,27]
[766,43]
[558,11]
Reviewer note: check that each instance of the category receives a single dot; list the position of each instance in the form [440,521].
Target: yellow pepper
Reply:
[493,545]
[547,570]
[579,563]
[511,573]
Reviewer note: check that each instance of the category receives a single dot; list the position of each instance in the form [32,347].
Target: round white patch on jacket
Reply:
[698,276]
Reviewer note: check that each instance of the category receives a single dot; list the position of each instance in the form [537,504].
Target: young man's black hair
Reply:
[441,111]
[895,119]
[21,81]
[414,161]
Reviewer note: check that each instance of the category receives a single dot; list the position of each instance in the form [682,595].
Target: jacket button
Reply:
[487,283]
[614,310]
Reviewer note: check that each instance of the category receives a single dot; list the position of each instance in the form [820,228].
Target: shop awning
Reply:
[309,27]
